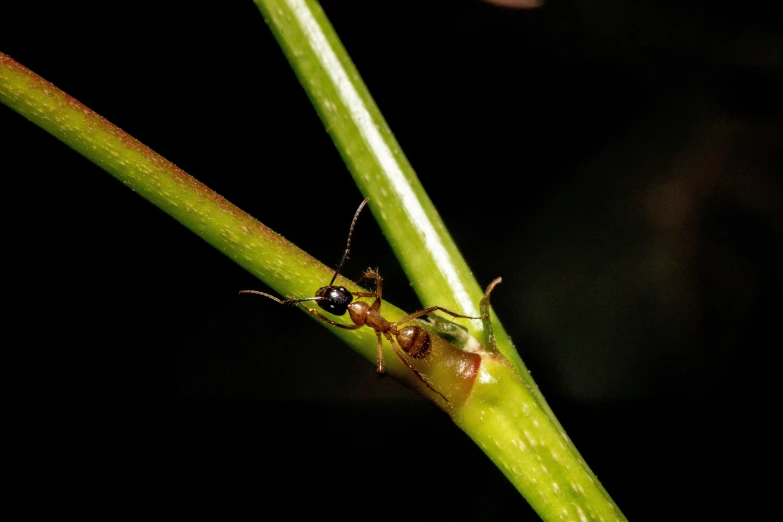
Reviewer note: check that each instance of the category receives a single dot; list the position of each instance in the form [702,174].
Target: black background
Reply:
[618,165]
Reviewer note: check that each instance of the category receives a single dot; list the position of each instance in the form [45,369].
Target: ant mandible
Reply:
[412,339]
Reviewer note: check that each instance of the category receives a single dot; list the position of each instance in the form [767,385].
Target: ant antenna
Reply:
[281,301]
[348,246]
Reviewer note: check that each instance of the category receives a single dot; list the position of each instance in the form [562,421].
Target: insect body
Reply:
[412,339]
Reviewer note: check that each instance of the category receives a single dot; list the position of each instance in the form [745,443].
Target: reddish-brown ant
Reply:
[412,339]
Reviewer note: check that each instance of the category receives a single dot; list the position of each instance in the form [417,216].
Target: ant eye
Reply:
[335,299]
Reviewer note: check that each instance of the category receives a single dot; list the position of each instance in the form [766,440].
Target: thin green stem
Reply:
[433,264]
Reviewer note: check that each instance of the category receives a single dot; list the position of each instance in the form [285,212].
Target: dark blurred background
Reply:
[618,164]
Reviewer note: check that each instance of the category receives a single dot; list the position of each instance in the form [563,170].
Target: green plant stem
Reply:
[418,236]
[503,417]
[432,262]
[498,408]
[261,251]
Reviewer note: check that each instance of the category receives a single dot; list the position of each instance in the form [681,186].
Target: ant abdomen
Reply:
[415,341]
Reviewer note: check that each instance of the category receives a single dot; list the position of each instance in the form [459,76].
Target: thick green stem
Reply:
[503,417]
[261,251]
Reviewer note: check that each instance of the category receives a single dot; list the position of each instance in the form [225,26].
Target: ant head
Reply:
[334,299]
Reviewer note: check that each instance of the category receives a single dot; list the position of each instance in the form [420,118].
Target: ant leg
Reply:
[366,275]
[485,302]
[376,305]
[418,374]
[484,306]
[327,320]
[431,309]
[370,273]
[365,294]
[374,275]
[380,369]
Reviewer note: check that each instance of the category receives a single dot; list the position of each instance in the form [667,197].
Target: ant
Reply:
[411,339]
